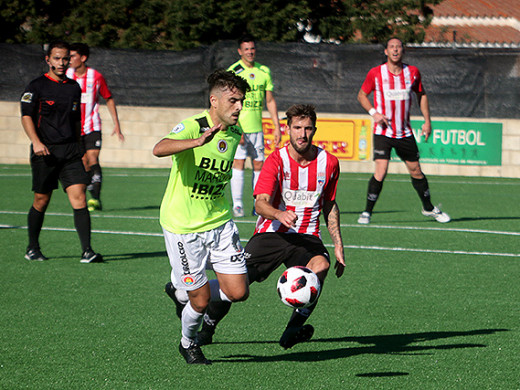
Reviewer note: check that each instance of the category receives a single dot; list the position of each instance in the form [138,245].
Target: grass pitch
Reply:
[421,305]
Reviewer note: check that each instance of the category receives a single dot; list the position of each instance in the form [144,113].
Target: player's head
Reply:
[301,121]
[79,53]
[226,94]
[57,45]
[394,49]
[58,57]
[301,111]
[81,48]
[247,49]
[245,38]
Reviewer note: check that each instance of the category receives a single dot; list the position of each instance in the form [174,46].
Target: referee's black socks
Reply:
[34,227]
[82,224]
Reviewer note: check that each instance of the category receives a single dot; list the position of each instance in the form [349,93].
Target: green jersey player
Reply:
[195,215]
[259,79]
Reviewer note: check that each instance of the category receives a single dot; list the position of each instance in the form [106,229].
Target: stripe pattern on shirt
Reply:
[92,86]
[297,188]
[392,98]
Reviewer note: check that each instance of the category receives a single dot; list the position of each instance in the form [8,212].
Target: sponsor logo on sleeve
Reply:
[177,129]
[27,97]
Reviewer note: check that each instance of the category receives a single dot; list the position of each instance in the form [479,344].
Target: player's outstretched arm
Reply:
[168,147]
[331,214]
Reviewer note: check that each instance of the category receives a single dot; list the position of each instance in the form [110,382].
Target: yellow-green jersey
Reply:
[195,200]
[259,79]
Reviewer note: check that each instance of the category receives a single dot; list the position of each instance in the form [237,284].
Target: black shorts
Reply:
[91,141]
[406,148]
[265,252]
[63,164]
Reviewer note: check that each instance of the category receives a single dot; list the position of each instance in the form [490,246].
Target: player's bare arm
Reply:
[273,112]
[38,147]
[264,208]
[365,103]
[111,105]
[168,147]
[331,215]
[424,105]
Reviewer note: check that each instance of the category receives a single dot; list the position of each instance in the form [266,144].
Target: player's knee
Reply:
[239,295]
[320,266]
[41,201]
[199,305]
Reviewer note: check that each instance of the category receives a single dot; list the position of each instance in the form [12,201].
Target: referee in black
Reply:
[51,118]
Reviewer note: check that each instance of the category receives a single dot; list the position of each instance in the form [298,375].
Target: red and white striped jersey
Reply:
[92,85]
[303,189]
[393,97]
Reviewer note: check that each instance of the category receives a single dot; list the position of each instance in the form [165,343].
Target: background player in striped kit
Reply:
[296,184]
[93,85]
[258,77]
[393,83]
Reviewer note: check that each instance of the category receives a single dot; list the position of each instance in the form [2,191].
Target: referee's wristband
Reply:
[372,111]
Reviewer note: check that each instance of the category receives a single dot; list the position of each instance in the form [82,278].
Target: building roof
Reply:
[475,23]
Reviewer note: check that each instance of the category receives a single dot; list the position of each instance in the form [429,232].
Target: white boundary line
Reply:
[362,247]
[342,178]
[372,226]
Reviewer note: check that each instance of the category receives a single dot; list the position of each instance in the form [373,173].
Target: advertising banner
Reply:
[460,143]
[347,139]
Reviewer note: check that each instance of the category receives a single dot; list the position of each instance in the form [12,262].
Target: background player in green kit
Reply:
[195,214]
[258,77]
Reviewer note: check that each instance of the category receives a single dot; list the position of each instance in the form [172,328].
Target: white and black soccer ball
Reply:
[298,287]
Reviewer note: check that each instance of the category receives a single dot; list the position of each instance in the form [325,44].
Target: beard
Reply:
[302,149]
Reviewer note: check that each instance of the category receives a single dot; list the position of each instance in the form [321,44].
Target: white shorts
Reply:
[253,147]
[190,253]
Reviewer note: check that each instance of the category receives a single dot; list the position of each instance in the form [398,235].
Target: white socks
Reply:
[255,179]
[191,321]
[217,295]
[237,187]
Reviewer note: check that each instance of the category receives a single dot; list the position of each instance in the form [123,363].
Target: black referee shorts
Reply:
[406,148]
[265,252]
[63,164]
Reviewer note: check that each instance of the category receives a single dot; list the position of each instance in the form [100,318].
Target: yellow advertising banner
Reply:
[347,139]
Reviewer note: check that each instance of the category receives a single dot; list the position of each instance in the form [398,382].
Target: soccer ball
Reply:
[298,287]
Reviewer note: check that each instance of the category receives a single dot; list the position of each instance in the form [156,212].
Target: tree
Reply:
[184,24]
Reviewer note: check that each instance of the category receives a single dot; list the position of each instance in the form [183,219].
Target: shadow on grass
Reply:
[398,344]
[357,212]
[152,207]
[134,256]
[122,256]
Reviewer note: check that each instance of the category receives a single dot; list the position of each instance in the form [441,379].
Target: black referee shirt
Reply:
[55,109]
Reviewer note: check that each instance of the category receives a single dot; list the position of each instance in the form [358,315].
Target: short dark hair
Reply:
[393,37]
[58,45]
[246,38]
[301,111]
[225,79]
[81,48]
